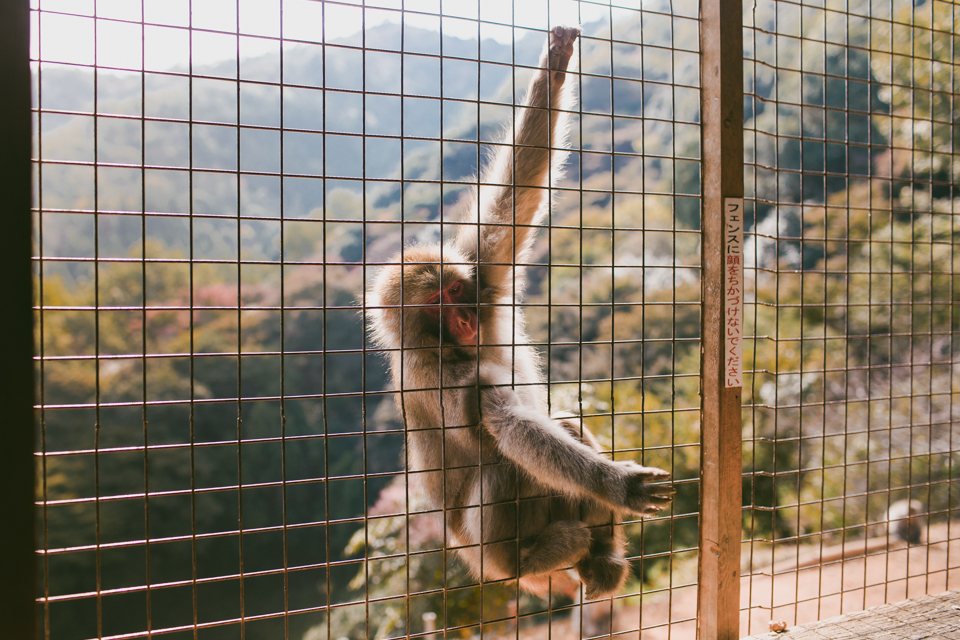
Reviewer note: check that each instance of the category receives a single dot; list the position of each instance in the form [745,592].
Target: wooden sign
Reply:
[733,291]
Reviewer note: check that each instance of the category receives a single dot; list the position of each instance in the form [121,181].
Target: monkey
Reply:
[905,521]
[526,496]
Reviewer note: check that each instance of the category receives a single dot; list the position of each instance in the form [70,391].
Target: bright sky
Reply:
[80,38]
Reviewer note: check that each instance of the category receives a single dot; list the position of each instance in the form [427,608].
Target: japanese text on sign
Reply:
[733,292]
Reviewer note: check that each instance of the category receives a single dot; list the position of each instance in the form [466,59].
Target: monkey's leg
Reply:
[561,544]
[605,568]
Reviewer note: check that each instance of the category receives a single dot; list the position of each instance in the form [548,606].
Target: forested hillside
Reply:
[851,407]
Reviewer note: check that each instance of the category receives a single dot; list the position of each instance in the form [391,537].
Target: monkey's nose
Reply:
[467,328]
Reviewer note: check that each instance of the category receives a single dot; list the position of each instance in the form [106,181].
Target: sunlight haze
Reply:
[66,30]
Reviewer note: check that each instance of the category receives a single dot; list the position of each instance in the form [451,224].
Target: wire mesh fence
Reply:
[850,436]
[216,184]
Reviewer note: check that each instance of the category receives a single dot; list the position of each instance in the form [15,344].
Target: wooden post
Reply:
[721,43]
[17,560]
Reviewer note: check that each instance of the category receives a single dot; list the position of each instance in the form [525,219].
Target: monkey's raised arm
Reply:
[514,192]
[553,457]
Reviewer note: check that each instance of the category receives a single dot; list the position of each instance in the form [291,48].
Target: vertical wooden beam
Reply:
[721,66]
[17,567]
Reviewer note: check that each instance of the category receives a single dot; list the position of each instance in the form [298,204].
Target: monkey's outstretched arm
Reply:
[514,194]
[553,457]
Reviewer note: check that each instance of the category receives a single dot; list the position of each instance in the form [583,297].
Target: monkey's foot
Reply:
[641,496]
[561,49]
[560,544]
[544,584]
[603,575]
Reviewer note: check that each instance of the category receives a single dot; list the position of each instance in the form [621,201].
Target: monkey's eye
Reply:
[456,288]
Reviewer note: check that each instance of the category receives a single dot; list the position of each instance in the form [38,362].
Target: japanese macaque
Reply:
[472,395]
[906,521]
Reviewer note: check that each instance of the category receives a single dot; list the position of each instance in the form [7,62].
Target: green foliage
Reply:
[917,71]
[404,551]
[854,287]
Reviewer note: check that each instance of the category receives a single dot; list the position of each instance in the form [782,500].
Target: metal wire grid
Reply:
[851,173]
[213,436]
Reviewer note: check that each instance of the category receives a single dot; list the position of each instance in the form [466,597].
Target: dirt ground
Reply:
[797,589]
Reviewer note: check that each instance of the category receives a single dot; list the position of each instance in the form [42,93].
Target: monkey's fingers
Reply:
[661,493]
[652,474]
[561,49]
[656,503]
[652,511]
[646,498]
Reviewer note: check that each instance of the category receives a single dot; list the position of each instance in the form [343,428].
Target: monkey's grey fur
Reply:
[478,431]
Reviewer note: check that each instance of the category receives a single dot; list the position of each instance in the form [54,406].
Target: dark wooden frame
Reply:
[17,567]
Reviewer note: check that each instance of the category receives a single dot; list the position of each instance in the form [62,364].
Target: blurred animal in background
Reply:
[907,521]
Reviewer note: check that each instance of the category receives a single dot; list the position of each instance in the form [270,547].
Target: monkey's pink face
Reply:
[457,318]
